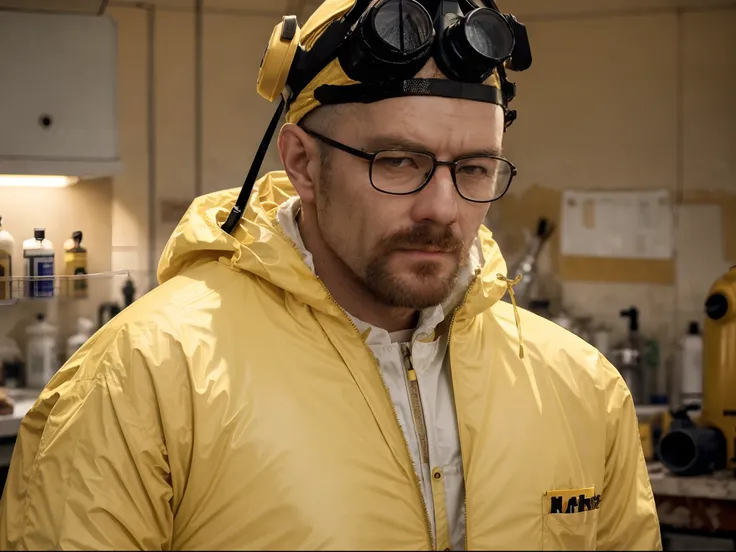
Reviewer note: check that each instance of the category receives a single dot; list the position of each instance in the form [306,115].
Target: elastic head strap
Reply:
[445,88]
[368,93]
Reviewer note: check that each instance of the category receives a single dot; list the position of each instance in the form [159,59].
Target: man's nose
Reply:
[438,200]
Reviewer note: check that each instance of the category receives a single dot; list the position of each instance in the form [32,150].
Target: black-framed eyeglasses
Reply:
[477,178]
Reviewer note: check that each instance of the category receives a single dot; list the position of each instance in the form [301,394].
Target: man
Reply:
[336,369]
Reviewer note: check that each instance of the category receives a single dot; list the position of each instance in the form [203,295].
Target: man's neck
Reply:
[346,288]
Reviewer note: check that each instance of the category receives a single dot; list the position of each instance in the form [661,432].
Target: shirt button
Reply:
[437,475]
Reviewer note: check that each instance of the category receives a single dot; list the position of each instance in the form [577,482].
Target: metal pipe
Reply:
[526,17]
[678,195]
[623,12]
[198,96]
[239,12]
[151,104]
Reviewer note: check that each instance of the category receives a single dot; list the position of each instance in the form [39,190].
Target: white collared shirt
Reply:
[431,364]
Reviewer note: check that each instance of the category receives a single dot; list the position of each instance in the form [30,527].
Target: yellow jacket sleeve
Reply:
[628,516]
[89,469]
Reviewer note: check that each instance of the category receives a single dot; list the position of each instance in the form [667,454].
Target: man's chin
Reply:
[414,290]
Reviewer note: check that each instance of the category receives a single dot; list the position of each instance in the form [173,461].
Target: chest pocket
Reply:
[570,519]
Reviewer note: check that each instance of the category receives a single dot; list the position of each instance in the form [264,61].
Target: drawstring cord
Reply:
[510,288]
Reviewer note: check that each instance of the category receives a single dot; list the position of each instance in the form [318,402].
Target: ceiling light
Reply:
[36,180]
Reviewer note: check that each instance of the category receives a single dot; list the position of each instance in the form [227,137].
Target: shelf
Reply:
[24,288]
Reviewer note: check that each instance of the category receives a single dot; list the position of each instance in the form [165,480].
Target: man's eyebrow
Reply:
[493,151]
[378,143]
[394,142]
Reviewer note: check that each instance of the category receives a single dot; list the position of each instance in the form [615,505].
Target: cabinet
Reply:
[58,94]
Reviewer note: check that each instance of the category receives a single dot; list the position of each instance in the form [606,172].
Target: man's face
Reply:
[406,249]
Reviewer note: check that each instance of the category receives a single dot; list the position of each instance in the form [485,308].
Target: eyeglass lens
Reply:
[477,178]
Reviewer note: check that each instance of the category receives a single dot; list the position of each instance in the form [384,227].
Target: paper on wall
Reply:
[632,225]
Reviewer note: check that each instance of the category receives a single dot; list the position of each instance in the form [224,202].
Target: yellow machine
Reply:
[647,442]
[719,362]
[692,448]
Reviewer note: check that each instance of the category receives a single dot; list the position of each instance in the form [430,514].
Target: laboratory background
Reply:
[115,114]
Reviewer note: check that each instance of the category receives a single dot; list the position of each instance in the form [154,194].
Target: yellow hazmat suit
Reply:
[237,407]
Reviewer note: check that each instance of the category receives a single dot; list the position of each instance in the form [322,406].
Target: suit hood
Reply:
[259,246]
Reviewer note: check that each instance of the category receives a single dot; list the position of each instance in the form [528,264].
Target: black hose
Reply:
[692,450]
[237,211]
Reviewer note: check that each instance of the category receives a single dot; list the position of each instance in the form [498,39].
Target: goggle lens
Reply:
[403,25]
[488,33]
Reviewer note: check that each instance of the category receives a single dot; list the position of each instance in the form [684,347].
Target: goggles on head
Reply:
[393,39]
[380,47]
[389,41]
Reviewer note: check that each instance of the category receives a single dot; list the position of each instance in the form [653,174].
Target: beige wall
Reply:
[636,102]
[86,206]
[627,94]
[234,116]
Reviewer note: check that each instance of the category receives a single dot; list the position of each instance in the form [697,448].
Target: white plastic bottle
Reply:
[7,245]
[41,360]
[85,329]
[691,372]
[38,253]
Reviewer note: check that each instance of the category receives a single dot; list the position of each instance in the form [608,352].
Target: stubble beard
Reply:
[424,284]
[419,287]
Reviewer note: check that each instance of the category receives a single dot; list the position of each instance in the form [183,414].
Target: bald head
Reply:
[326,117]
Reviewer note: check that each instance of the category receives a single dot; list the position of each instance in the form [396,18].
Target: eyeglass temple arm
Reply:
[337,145]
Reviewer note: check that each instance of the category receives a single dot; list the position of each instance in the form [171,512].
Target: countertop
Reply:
[718,486]
[23,400]
[644,411]
[703,505]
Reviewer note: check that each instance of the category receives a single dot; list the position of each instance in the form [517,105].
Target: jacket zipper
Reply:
[415,398]
[449,342]
[428,523]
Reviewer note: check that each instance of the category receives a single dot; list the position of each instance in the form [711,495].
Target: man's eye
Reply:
[473,170]
[398,162]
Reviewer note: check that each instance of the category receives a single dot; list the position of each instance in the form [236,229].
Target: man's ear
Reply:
[300,157]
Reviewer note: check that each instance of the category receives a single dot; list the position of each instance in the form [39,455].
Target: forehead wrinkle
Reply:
[399,125]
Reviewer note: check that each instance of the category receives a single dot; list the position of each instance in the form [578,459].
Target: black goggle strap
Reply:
[508,89]
[237,211]
[367,93]
[328,94]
